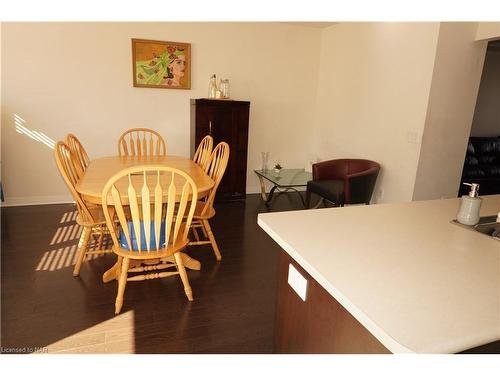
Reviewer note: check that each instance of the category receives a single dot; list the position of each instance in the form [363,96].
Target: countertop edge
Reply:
[388,341]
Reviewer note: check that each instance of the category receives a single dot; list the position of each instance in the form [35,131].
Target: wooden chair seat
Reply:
[97,215]
[179,244]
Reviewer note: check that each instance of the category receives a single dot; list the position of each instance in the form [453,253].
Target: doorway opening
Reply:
[482,160]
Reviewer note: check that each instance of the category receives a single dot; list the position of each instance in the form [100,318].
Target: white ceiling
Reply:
[319,25]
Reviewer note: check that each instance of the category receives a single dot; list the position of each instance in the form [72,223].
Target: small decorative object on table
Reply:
[277,168]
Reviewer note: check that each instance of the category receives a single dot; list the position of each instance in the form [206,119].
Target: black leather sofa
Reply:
[482,165]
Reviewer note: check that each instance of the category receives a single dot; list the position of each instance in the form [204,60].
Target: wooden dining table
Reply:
[102,169]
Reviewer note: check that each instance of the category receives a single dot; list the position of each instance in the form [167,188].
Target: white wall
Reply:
[488,30]
[455,82]
[374,84]
[486,122]
[358,90]
[77,77]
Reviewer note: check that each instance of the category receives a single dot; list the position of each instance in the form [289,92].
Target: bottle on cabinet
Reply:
[212,87]
[224,88]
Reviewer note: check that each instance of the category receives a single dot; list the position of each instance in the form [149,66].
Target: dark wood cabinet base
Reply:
[319,324]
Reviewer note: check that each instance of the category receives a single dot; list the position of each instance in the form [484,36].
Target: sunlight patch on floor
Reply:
[69,217]
[115,335]
[59,256]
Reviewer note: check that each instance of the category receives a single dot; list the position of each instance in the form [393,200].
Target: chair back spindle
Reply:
[215,170]
[70,169]
[203,152]
[79,151]
[141,142]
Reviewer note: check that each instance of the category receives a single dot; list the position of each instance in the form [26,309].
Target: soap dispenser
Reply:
[468,213]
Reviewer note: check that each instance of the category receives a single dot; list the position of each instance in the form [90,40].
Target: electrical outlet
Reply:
[297,282]
[412,136]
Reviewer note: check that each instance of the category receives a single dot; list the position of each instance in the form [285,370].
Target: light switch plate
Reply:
[297,282]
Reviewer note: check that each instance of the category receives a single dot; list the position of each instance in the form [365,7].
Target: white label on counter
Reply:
[297,282]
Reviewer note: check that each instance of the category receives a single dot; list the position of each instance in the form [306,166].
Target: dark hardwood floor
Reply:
[44,306]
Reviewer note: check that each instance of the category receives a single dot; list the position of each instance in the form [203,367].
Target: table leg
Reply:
[112,273]
[262,189]
[281,190]
[188,262]
[300,195]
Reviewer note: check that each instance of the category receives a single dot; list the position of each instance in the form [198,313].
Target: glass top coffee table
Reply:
[285,180]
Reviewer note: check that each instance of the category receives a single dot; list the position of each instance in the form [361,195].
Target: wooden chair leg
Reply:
[101,237]
[204,230]
[211,237]
[184,277]
[122,281]
[195,232]
[82,249]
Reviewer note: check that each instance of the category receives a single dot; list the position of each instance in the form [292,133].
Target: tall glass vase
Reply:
[265,159]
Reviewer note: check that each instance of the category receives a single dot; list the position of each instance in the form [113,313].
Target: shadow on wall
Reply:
[33,134]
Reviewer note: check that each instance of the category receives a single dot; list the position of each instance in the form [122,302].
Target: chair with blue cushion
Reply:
[154,207]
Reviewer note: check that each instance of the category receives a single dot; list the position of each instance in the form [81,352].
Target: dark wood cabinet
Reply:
[319,324]
[224,120]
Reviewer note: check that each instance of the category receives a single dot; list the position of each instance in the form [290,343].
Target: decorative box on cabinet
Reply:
[224,120]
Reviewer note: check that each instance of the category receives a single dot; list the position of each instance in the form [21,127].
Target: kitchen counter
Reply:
[417,282]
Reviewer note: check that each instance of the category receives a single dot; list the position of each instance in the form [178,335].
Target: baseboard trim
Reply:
[62,199]
[37,200]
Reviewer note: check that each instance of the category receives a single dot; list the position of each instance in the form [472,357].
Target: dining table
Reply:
[100,170]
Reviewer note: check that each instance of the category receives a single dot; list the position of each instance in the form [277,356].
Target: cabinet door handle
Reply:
[210,127]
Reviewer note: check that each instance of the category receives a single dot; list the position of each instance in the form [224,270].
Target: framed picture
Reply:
[165,65]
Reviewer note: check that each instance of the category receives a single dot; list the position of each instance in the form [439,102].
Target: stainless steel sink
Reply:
[487,225]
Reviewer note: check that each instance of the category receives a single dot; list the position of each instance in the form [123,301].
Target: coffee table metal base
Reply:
[267,198]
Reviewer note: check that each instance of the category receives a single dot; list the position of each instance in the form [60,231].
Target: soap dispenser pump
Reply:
[468,213]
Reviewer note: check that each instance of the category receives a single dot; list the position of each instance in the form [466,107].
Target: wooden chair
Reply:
[141,142]
[90,217]
[140,247]
[203,152]
[204,208]
[79,151]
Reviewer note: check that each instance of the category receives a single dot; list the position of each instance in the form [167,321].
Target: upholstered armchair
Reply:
[343,181]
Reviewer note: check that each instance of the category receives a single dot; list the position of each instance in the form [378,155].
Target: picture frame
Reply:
[161,64]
